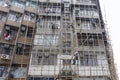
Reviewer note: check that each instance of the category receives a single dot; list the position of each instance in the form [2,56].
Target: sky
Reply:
[111,14]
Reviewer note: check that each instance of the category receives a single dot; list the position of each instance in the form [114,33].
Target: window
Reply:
[85,25]
[68,52]
[44,59]
[83,1]
[67,44]
[4,71]
[15,16]
[49,9]
[67,62]
[88,39]
[6,49]
[66,35]
[89,11]
[6,3]
[9,33]
[31,4]
[46,40]
[18,72]
[88,60]
[29,16]
[3,16]
[18,3]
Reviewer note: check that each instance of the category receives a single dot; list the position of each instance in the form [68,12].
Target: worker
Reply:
[72,28]
[75,58]
[53,27]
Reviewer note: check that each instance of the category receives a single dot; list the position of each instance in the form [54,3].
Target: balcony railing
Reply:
[15,17]
[86,1]
[18,4]
[31,4]
[6,3]
[87,13]
[29,17]
[49,10]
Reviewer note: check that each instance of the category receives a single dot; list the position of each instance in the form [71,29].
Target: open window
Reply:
[19,49]
[10,33]
[26,49]
[26,31]
[23,30]
[22,49]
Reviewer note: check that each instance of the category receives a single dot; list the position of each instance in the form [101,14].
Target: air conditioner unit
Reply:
[7,46]
[32,15]
[46,55]
[23,28]
[5,56]
[19,45]
[7,27]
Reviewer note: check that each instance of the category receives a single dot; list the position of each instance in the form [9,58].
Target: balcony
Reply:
[51,1]
[49,11]
[18,6]
[29,19]
[91,26]
[86,13]
[50,27]
[31,6]
[14,19]
[9,35]
[84,2]
[46,40]
[5,5]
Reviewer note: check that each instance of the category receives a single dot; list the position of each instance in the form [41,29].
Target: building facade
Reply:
[54,40]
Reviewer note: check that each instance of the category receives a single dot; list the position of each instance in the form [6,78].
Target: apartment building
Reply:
[54,40]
